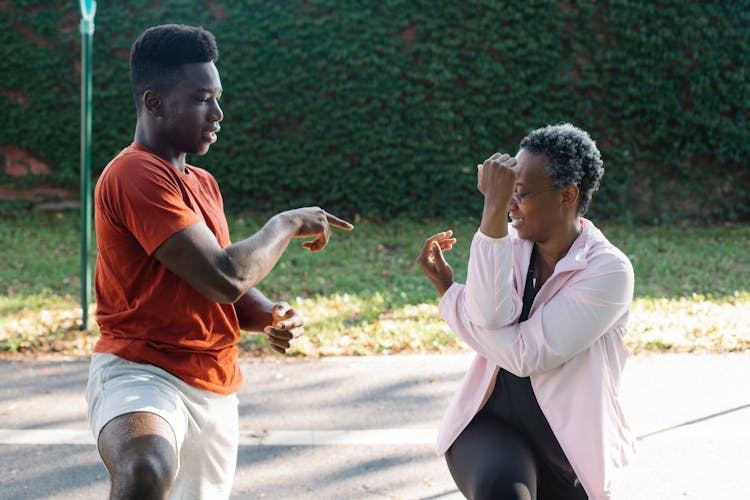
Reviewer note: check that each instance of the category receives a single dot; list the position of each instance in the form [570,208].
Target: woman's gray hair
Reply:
[572,158]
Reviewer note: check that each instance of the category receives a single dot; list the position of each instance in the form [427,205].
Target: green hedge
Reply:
[384,108]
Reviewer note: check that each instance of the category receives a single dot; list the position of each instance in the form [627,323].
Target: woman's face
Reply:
[539,213]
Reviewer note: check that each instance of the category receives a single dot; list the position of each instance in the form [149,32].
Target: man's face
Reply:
[191,112]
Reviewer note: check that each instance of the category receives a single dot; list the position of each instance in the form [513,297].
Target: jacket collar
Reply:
[579,253]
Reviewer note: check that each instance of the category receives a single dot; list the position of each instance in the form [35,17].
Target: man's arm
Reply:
[254,311]
[225,275]
[279,323]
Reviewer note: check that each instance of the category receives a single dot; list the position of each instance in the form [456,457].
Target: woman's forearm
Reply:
[491,301]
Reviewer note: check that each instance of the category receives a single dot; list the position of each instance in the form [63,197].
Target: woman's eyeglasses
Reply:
[520,198]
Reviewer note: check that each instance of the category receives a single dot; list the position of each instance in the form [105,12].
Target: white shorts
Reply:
[205,424]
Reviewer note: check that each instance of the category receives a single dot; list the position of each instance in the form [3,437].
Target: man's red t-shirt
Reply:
[146,313]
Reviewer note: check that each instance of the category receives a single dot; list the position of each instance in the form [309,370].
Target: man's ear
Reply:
[153,103]
[570,195]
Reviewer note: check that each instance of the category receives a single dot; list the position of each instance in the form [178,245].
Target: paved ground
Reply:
[363,428]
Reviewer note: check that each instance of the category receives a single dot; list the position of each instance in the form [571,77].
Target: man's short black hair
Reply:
[157,56]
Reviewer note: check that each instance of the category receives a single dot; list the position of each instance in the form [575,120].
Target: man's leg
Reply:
[208,458]
[140,453]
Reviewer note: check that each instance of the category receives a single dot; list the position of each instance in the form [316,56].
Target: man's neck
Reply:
[158,147]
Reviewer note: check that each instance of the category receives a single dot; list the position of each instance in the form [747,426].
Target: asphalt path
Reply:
[364,428]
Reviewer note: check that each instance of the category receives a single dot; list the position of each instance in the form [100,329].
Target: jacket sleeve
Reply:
[589,304]
[490,299]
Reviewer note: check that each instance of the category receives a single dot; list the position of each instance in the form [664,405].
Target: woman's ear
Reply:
[570,195]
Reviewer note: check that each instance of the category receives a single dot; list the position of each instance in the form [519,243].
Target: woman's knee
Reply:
[502,488]
[512,479]
[490,460]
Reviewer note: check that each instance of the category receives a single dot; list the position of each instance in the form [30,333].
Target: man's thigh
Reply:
[208,456]
[152,408]
[118,387]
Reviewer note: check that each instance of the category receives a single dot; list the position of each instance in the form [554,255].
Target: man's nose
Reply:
[216,114]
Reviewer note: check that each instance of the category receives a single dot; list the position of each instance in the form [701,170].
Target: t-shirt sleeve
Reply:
[147,200]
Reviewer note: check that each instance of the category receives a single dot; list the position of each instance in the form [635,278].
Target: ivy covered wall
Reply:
[383,108]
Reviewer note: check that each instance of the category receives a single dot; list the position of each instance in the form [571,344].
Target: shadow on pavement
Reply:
[694,421]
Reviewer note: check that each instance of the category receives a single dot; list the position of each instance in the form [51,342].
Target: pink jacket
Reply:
[571,346]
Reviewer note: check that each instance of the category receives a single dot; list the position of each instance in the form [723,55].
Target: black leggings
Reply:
[491,460]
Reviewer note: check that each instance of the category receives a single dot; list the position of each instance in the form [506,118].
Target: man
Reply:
[172,290]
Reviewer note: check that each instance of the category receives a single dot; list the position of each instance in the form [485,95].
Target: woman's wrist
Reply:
[494,219]
[442,286]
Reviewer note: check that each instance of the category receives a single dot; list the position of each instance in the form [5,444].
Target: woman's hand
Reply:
[496,180]
[433,263]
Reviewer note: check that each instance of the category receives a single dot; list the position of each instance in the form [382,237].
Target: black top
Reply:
[513,401]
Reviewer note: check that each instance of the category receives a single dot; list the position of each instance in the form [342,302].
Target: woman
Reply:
[545,307]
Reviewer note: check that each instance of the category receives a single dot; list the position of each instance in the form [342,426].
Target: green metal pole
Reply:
[88,10]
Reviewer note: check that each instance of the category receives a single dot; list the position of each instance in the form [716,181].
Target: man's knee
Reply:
[145,468]
[140,454]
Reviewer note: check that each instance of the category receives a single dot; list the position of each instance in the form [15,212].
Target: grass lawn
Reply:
[364,294]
